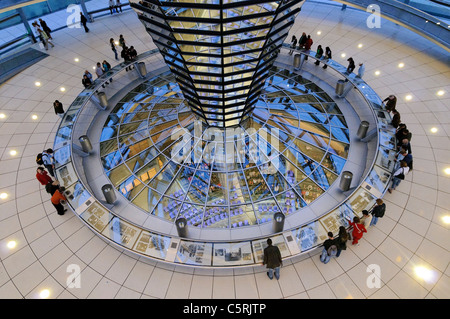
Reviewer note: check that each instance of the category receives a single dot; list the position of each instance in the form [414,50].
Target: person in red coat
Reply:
[358,229]
[42,176]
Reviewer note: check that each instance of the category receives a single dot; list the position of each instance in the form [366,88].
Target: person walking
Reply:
[272,260]
[58,107]
[328,56]
[45,28]
[49,161]
[366,218]
[378,211]
[83,21]
[341,240]
[45,38]
[293,44]
[358,229]
[399,175]
[319,54]
[329,249]
[113,48]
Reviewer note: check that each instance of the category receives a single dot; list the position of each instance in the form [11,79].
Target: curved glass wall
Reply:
[160,156]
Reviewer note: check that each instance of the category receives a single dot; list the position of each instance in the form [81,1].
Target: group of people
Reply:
[305,43]
[333,246]
[46,161]
[100,69]
[403,158]
[128,54]
[44,33]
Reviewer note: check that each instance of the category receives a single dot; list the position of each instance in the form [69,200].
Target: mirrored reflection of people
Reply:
[272,260]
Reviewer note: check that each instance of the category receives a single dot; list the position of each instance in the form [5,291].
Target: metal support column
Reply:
[85,12]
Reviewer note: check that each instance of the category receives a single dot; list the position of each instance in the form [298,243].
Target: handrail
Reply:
[85,97]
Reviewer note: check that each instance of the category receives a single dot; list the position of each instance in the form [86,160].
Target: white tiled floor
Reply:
[412,234]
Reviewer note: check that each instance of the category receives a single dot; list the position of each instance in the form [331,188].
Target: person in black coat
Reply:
[378,211]
[351,65]
[272,260]
[58,107]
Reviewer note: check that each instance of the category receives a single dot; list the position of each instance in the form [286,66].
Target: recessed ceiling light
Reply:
[343,55]
[401,65]
[13,152]
[447,171]
[11,244]
[440,92]
[360,45]
[116,42]
[34,117]
[2,115]
[408,97]
[446,219]
[3,196]
[44,294]
[377,72]
[93,67]
[62,89]
[433,130]
[319,32]
[37,83]
[76,60]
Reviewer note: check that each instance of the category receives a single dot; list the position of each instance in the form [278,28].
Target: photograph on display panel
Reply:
[232,254]
[194,253]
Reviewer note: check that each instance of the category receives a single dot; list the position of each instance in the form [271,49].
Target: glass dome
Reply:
[166,161]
